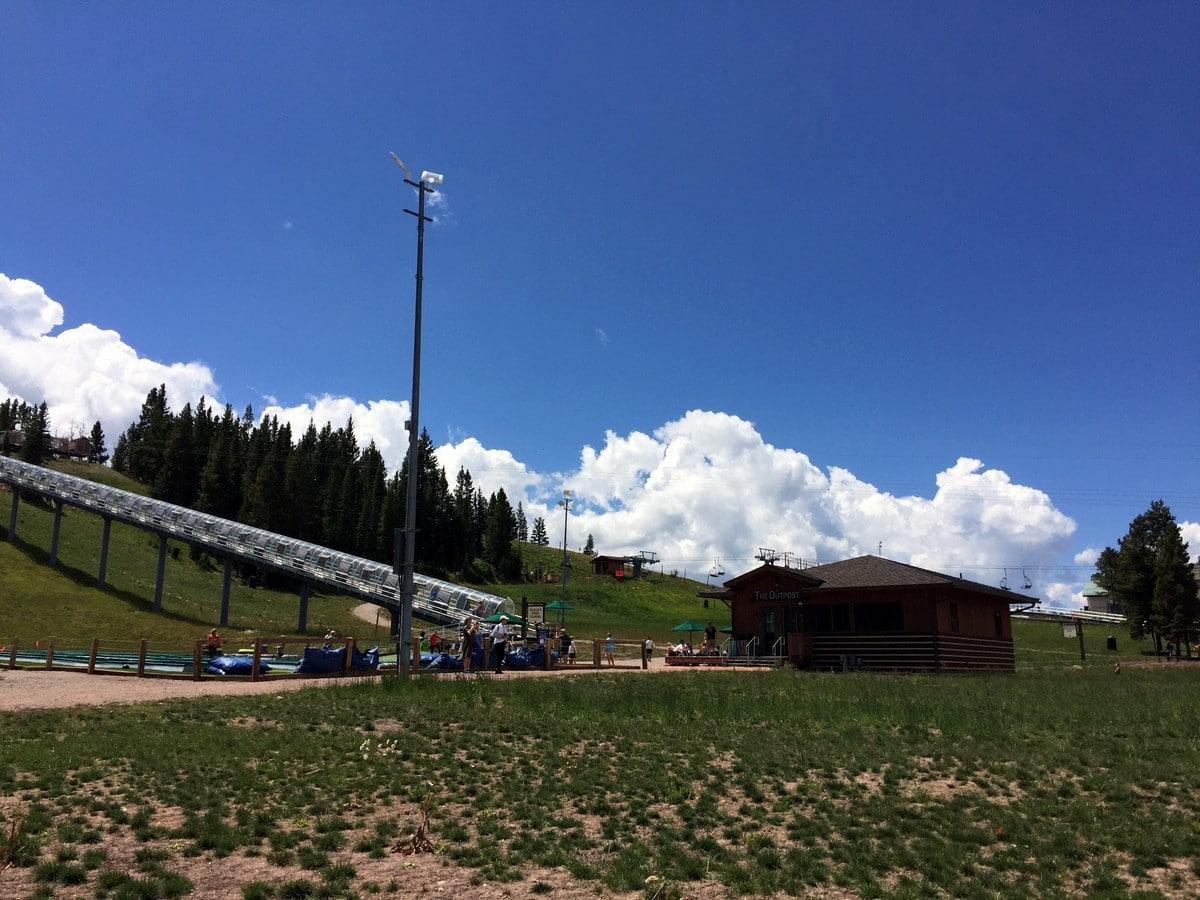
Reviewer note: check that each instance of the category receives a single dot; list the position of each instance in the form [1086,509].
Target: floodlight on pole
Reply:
[407,584]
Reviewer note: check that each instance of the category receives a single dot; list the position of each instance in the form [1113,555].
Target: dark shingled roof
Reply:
[871,572]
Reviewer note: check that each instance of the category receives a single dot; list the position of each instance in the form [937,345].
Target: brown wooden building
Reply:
[609,565]
[871,613]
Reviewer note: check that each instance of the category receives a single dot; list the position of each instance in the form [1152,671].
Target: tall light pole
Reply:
[565,503]
[407,587]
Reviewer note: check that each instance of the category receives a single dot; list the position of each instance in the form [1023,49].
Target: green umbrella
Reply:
[689,625]
[562,606]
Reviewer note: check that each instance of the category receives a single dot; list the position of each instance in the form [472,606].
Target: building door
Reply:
[799,642]
[771,622]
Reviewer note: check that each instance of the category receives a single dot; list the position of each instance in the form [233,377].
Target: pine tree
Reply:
[178,478]
[220,488]
[120,457]
[372,474]
[435,515]
[205,430]
[539,536]
[8,424]
[589,549]
[463,503]
[479,513]
[1151,551]
[263,504]
[303,496]
[99,453]
[341,495]
[498,549]
[35,435]
[522,523]
[147,438]
[1174,603]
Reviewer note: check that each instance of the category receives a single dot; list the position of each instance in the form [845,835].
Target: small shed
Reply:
[608,565]
[871,613]
[1097,599]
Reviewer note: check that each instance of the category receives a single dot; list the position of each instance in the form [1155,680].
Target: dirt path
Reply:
[39,689]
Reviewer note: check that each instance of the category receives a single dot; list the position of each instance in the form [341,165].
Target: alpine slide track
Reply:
[438,601]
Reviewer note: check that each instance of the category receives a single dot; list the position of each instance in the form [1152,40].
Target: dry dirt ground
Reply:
[420,875]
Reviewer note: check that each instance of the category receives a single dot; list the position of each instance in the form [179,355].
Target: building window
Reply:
[873,617]
[827,618]
[954,618]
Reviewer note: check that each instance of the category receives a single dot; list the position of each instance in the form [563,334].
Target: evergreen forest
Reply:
[319,486]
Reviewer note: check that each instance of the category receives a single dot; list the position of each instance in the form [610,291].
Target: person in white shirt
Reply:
[500,642]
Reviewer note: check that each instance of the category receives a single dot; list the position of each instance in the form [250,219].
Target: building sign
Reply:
[776,595]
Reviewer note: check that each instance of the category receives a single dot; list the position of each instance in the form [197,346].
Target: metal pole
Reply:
[566,564]
[407,590]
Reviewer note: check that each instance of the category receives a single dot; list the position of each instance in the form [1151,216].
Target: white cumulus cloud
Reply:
[703,486]
[708,485]
[83,374]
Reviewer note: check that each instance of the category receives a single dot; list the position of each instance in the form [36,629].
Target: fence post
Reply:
[50,654]
[91,670]
[257,658]
[141,657]
[197,653]
[596,654]
[12,654]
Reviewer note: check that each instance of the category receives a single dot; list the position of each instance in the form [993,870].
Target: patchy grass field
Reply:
[1050,784]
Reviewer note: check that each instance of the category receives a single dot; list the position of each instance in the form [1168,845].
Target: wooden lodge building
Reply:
[870,613]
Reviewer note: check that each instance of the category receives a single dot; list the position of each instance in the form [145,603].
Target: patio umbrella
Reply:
[562,606]
[689,625]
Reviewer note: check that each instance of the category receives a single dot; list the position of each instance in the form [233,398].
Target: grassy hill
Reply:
[64,602]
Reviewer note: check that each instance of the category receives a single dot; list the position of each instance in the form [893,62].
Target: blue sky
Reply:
[740,275]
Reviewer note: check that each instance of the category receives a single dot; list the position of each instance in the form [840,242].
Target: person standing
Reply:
[467,645]
[649,648]
[609,646]
[500,643]
[710,637]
